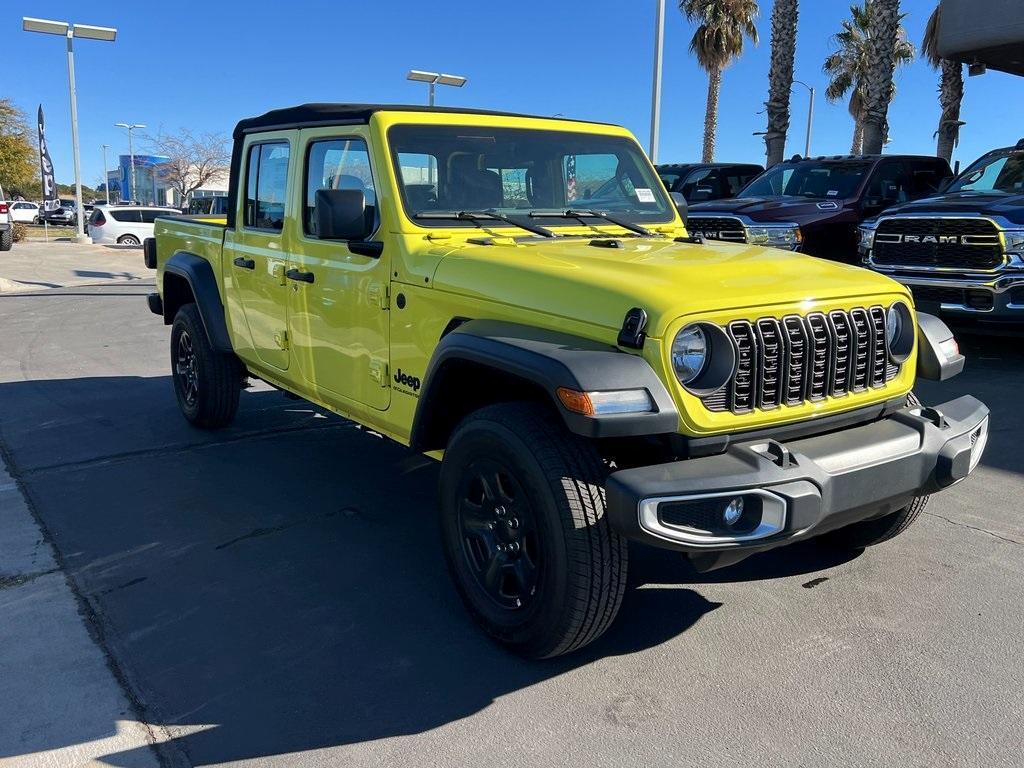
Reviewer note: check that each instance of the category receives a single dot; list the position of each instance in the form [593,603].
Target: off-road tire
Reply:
[218,376]
[7,239]
[128,240]
[581,562]
[870,532]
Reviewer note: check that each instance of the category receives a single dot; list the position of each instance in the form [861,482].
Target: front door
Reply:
[255,252]
[337,291]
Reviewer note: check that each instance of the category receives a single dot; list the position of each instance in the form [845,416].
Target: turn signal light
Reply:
[607,402]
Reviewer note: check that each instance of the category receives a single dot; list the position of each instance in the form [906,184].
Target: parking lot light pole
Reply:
[131,157]
[70,32]
[810,116]
[433,79]
[659,42]
[106,175]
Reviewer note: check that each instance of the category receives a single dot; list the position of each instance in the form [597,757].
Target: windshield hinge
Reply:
[377,293]
[379,371]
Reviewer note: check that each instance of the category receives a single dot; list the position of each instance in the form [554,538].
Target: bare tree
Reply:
[193,160]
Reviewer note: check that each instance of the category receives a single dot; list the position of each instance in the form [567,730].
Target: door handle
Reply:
[244,263]
[296,274]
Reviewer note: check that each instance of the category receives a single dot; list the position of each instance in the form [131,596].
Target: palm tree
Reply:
[951,88]
[847,66]
[881,49]
[718,41]
[780,77]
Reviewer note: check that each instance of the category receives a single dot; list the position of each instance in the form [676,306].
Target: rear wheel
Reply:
[870,532]
[6,239]
[525,533]
[128,240]
[207,383]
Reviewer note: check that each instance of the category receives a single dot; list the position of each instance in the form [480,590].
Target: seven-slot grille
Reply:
[949,243]
[717,228]
[796,359]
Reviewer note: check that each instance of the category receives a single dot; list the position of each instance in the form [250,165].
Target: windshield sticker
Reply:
[644,195]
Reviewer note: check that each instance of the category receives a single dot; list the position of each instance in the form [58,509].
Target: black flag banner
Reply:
[51,201]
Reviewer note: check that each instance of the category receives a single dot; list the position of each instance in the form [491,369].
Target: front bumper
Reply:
[984,297]
[801,488]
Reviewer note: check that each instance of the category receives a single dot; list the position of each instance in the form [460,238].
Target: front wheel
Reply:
[525,533]
[207,383]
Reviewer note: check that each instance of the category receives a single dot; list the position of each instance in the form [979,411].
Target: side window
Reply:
[890,184]
[266,186]
[128,215]
[149,214]
[338,164]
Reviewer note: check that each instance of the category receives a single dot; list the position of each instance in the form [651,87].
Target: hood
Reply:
[577,281]
[982,203]
[765,209]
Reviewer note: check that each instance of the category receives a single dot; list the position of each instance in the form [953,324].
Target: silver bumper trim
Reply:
[773,519]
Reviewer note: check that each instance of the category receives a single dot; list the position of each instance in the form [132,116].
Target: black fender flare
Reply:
[546,360]
[932,363]
[198,273]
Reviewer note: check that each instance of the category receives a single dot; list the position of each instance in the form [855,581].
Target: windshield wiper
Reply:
[478,216]
[584,214]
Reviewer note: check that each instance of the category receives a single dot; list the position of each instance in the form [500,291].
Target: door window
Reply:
[890,184]
[266,186]
[338,164]
[149,214]
[128,215]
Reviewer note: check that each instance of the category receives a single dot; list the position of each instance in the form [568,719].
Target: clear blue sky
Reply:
[205,65]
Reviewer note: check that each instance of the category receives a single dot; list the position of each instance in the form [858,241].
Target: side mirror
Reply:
[341,214]
[680,202]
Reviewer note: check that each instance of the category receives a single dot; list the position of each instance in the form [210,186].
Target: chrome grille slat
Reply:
[796,336]
[771,349]
[744,392]
[793,360]
[879,357]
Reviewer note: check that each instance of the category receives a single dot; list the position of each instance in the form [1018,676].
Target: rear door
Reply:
[338,291]
[256,250]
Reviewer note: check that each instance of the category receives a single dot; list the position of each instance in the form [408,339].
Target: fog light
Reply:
[733,512]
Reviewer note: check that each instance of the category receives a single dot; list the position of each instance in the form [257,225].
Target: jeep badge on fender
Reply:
[590,373]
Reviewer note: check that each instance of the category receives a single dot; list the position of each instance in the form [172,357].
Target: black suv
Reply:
[961,253]
[815,205]
[699,182]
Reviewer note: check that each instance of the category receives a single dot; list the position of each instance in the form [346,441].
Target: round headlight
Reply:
[689,353]
[899,332]
[893,325]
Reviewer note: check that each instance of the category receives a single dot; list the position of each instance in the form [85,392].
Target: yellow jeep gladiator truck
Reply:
[518,296]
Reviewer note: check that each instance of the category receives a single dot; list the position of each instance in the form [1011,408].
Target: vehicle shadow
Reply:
[278,587]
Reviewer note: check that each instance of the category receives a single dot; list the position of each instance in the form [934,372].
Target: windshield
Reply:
[828,181]
[521,171]
[1004,173]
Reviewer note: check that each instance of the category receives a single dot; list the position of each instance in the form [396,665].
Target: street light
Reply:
[71,31]
[131,157]
[659,40]
[106,176]
[435,78]
[810,116]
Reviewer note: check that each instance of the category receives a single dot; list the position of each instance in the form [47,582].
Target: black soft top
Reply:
[311,115]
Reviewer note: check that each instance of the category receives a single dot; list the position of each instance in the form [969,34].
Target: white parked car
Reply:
[23,211]
[125,224]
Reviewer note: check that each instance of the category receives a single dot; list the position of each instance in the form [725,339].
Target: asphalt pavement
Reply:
[274,593]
